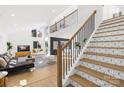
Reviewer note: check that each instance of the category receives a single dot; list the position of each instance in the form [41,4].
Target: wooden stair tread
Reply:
[109,31]
[82,81]
[106,47]
[108,65]
[105,77]
[108,35]
[105,55]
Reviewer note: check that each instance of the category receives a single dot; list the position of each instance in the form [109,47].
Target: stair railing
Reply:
[68,53]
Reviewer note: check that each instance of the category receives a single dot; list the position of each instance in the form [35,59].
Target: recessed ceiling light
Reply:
[12,15]
[53,11]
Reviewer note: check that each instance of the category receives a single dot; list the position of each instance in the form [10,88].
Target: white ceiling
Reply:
[29,14]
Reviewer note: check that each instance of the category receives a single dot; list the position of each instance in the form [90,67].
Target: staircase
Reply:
[102,62]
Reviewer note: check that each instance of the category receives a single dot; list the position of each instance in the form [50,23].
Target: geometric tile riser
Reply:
[111,72]
[102,28]
[116,61]
[107,51]
[122,19]
[109,33]
[117,20]
[121,23]
[107,44]
[108,38]
[108,29]
[95,80]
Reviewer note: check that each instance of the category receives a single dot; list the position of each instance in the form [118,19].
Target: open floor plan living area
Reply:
[61,45]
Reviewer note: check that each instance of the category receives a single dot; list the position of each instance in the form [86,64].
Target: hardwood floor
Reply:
[42,77]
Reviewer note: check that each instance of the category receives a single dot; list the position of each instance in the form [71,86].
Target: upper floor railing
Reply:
[68,53]
[68,20]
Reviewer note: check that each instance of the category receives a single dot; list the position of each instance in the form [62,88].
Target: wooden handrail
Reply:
[78,30]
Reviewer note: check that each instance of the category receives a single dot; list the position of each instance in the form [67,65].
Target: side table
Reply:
[3,77]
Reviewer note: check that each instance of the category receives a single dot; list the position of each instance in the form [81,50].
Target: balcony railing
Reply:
[68,20]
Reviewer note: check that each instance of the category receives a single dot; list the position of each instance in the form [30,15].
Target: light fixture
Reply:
[46,39]
[53,11]
[12,14]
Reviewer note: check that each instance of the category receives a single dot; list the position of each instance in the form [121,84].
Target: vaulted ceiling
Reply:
[29,15]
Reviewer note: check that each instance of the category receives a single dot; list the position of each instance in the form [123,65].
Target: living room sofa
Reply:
[12,65]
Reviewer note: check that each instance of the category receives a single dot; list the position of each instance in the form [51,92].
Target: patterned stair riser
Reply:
[102,24]
[113,20]
[109,33]
[108,38]
[107,44]
[110,60]
[106,51]
[110,29]
[108,71]
[102,27]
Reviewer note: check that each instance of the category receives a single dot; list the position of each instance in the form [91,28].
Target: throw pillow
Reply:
[2,62]
[8,55]
[7,59]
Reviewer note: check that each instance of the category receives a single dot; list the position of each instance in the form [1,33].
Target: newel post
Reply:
[59,66]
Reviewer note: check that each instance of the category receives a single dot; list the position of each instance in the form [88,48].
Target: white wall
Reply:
[86,10]
[3,41]
[121,8]
[108,11]
[21,35]
[64,13]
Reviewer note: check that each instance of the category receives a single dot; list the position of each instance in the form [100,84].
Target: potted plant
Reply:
[85,39]
[9,47]
[77,45]
[34,50]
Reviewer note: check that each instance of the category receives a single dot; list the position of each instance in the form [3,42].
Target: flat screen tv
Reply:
[23,48]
